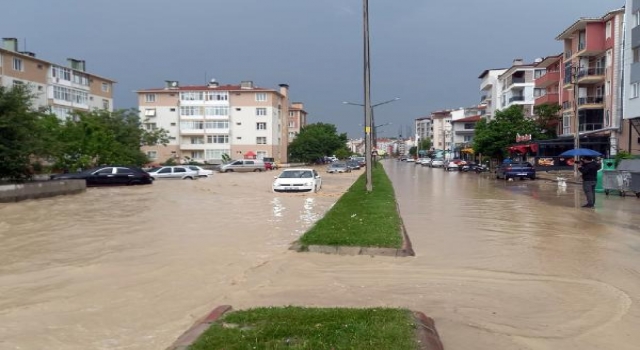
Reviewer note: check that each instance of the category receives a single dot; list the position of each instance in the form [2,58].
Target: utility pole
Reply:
[576,121]
[367,98]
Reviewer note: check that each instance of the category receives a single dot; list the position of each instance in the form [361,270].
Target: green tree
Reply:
[316,141]
[493,137]
[19,132]
[425,144]
[413,150]
[547,118]
[99,137]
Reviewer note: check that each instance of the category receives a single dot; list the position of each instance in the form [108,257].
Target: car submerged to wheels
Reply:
[297,180]
[520,170]
[109,176]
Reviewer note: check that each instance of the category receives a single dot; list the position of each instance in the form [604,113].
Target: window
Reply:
[216,153]
[217,138]
[82,79]
[17,64]
[635,90]
[70,95]
[261,111]
[292,124]
[261,154]
[217,96]
[150,98]
[105,104]
[62,73]
[608,29]
[538,73]
[172,109]
[566,123]
[607,89]
[218,124]
[152,155]
[195,125]
[150,112]
[105,87]
[61,112]
[537,92]
[197,140]
[636,54]
[468,138]
[18,83]
[191,96]
[173,124]
[261,126]
[469,126]
[150,126]
[261,140]
[636,19]
[261,97]
[217,111]
[190,110]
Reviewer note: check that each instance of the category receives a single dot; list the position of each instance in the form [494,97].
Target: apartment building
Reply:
[631,88]
[61,89]
[490,88]
[424,128]
[517,87]
[205,122]
[547,80]
[442,128]
[297,119]
[591,78]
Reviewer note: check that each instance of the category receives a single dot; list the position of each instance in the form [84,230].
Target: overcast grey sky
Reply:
[427,52]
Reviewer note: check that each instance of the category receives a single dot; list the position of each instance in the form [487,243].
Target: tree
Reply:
[425,144]
[493,137]
[316,141]
[99,137]
[19,132]
[548,116]
[413,150]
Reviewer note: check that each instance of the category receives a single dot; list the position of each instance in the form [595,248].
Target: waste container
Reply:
[612,180]
[631,169]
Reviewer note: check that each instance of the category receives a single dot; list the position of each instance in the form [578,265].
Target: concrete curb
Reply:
[426,333]
[428,337]
[406,250]
[195,331]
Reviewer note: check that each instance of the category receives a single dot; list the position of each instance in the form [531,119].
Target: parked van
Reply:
[241,165]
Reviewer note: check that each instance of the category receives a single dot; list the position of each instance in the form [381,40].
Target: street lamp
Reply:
[368,118]
[374,138]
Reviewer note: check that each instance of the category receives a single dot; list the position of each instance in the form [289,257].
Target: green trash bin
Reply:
[607,164]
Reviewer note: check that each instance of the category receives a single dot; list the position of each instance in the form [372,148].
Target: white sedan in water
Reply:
[297,180]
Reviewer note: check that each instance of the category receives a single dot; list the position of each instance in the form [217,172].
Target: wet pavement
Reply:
[499,265]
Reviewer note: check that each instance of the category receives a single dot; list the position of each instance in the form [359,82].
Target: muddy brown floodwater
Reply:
[499,265]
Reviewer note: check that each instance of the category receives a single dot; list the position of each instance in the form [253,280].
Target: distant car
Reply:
[425,161]
[451,166]
[201,172]
[338,167]
[109,176]
[512,170]
[173,172]
[361,160]
[297,180]
[353,164]
[410,160]
[270,163]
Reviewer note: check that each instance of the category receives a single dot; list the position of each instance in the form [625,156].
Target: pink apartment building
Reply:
[206,122]
[297,119]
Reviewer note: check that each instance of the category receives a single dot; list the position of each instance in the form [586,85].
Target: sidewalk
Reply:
[553,175]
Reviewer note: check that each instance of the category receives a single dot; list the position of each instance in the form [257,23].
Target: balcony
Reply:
[515,80]
[192,146]
[549,78]
[591,76]
[568,54]
[516,99]
[551,98]
[590,126]
[590,48]
[591,102]
[566,105]
[192,131]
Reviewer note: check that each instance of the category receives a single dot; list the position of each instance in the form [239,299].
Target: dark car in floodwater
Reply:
[109,176]
[512,170]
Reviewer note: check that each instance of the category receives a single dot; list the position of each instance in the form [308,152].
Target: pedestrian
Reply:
[589,169]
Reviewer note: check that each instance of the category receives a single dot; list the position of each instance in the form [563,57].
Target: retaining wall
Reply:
[43,189]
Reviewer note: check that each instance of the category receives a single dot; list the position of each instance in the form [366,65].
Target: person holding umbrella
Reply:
[589,169]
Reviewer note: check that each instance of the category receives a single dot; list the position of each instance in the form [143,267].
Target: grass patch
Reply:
[311,328]
[360,218]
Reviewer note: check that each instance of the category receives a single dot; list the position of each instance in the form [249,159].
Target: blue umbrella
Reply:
[581,152]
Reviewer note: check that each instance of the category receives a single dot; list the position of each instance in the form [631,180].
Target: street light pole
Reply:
[576,122]
[374,137]
[368,120]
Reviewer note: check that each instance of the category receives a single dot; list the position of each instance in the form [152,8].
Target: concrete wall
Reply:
[44,189]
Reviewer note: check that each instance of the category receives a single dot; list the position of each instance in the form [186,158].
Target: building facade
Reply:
[424,128]
[442,130]
[631,86]
[517,87]
[490,88]
[206,122]
[297,119]
[61,89]
[591,78]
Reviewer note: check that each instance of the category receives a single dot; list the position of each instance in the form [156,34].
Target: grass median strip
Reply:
[311,328]
[360,218]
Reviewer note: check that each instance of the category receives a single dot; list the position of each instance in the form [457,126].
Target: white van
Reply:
[245,165]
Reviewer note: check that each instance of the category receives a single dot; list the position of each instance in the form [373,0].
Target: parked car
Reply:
[270,163]
[353,164]
[437,163]
[297,180]
[173,172]
[425,161]
[244,165]
[361,160]
[109,176]
[338,167]
[451,166]
[201,172]
[512,170]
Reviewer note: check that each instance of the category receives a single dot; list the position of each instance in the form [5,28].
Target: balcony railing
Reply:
[483,97]
[589,72]
[548,78]
[551,97]
[516,80]
[568,54]
[589,100]
[567,105]
[516,99]
[590,126]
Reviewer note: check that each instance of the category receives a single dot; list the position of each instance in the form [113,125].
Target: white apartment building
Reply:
[442,129]
[424,128]
[517,87]
[59,88]
[205,122]
[490,90]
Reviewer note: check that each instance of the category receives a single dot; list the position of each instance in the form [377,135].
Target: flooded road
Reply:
[499,265]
